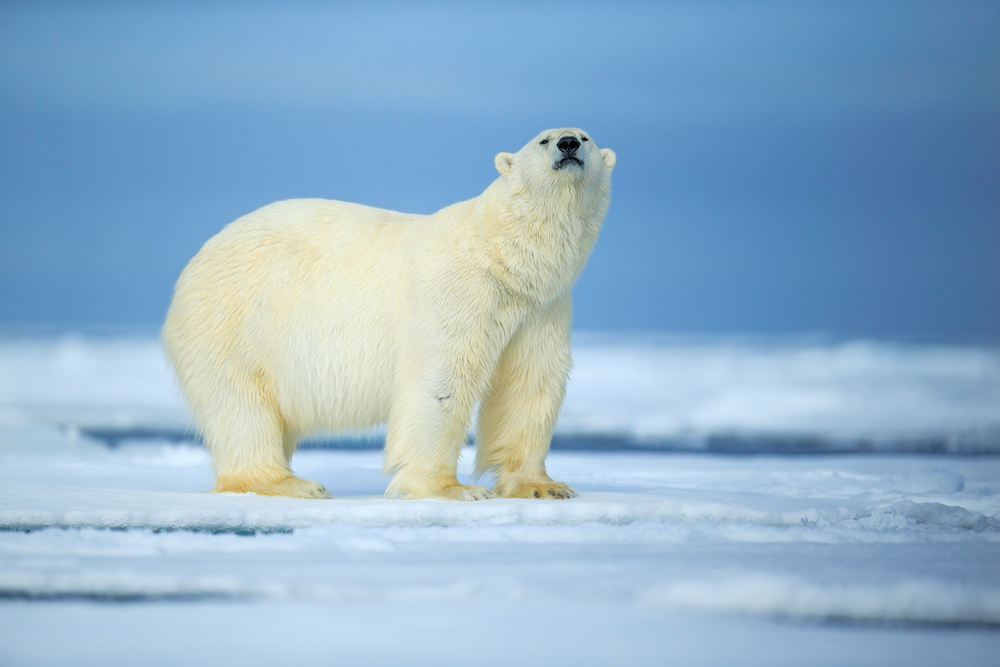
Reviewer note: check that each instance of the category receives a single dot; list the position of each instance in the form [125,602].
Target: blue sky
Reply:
[783,167]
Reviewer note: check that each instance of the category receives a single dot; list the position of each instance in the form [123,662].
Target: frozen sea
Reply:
[742,502]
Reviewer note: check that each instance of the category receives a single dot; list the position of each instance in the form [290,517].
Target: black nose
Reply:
[568,145]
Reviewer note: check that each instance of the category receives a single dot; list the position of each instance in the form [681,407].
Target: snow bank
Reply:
[855,395]
[79,381]
[659,388]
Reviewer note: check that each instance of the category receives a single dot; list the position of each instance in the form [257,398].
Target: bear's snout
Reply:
[567,156]
[568,145]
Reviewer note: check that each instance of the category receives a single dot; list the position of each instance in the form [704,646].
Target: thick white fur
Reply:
[312,314]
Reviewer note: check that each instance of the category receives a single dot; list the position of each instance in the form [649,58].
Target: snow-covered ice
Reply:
[646,388]
[115,555]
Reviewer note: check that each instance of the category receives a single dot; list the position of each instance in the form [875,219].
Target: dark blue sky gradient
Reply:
[783,167]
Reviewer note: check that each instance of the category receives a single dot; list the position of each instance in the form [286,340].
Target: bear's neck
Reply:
[537,249]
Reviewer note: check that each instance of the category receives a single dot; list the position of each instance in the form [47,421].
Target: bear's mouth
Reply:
[569,162]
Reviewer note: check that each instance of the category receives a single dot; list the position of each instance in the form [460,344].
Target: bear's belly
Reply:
[334,387]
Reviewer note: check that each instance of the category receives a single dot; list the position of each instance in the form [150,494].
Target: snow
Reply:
[115,555]
[645,388]
[74,380]
[651,388]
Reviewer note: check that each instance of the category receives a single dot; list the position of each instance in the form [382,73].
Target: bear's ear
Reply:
[609,158]
[504,162]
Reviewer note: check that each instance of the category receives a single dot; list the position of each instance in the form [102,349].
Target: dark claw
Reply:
[551,492]
[536,494]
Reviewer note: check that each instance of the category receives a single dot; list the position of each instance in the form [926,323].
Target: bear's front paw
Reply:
[550,490]
[295,487]
[464,492]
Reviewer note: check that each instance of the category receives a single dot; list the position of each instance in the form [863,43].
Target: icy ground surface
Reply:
[651,390]
[115,555]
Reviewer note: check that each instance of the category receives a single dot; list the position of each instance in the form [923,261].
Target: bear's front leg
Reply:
[426,431]
[519,412]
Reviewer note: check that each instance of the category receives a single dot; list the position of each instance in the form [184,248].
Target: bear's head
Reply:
[563,157]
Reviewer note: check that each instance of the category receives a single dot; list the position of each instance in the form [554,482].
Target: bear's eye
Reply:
[585,138]
[544,141]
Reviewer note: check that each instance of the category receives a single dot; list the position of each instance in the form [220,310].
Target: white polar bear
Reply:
[311,314]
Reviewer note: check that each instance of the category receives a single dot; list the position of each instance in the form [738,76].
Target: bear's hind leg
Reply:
[250,447]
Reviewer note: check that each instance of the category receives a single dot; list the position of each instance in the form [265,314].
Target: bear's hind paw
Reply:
[290,487]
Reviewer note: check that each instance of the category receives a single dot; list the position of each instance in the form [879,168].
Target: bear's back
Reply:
[307,284]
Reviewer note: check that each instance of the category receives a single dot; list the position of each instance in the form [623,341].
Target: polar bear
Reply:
[311,314]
